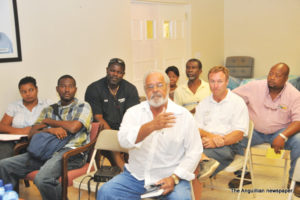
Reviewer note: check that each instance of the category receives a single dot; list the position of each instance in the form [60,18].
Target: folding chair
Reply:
[241,162]
[296,177]
[107,140]
[264,147]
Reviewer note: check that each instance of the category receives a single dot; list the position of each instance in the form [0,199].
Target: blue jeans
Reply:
[293,144]
[224,155]
[125,186]
[14,168]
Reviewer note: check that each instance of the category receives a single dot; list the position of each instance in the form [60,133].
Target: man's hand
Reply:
[278,144]
[167,184]
[208,143]
[163,120]
[59,132]
[24,131]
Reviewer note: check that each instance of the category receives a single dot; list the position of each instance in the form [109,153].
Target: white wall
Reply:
[268,30]
[76,37]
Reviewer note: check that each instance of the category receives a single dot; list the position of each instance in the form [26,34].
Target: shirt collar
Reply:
[22,105]
[171,107]
[70,105]
[186,86]
[279,95]
[223,100]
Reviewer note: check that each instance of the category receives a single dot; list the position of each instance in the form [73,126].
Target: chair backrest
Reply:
[108,140]
[94,130]
[250,134]
[296,175]
[250,130]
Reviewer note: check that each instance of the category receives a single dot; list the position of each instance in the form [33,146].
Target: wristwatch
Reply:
[175,178]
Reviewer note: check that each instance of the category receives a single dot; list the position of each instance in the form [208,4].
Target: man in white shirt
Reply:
[222,119]
[164,146]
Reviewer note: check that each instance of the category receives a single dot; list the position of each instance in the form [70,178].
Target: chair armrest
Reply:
[20,146]
[65,157]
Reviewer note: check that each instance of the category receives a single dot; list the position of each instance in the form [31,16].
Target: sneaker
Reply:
[296,189]
[207,168]
[235,183]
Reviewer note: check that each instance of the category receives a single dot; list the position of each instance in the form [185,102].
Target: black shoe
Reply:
[235,183]
[247,174]
[238,173]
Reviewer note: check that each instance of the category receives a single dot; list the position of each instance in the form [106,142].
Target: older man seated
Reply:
[164,146]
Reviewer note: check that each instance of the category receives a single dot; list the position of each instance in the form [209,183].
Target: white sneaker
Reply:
[207,168]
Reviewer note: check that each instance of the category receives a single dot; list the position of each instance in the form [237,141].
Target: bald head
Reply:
[284,68]
[277,77]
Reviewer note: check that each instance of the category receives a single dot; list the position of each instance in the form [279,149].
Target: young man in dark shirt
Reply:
[109,98]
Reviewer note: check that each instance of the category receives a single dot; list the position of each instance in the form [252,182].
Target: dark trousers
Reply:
[6,149]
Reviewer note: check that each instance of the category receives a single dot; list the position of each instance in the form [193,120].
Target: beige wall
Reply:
[268,30]
[207,35]
[76,37]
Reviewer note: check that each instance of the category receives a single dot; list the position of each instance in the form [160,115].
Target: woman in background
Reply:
[22,114]
[173,74]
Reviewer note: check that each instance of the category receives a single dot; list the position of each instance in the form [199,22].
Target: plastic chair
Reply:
[264,147]
[296,177]
[240,162]
[67,176]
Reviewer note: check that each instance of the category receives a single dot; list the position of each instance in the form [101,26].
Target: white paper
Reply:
[154,193]
[11,137]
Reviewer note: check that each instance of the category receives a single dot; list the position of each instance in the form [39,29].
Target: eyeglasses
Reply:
[152,86]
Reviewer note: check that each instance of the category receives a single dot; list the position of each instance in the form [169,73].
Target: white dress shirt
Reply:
[223,117]
[22,117]
[170,150]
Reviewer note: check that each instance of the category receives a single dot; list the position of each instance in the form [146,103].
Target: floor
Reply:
[265,178]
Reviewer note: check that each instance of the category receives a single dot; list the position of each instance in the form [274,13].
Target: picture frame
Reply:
[10,45]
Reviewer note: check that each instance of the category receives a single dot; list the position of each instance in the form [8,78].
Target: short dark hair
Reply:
[195,60]
[117,61]
[66,76]
[172,69]
[27,79]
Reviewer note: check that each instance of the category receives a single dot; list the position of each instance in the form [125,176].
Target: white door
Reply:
[159,38]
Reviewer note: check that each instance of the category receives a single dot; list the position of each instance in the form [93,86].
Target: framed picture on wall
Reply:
[10,46]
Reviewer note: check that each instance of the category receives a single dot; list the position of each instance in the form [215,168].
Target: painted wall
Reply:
[207,35]
[268,30]
[76,37]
